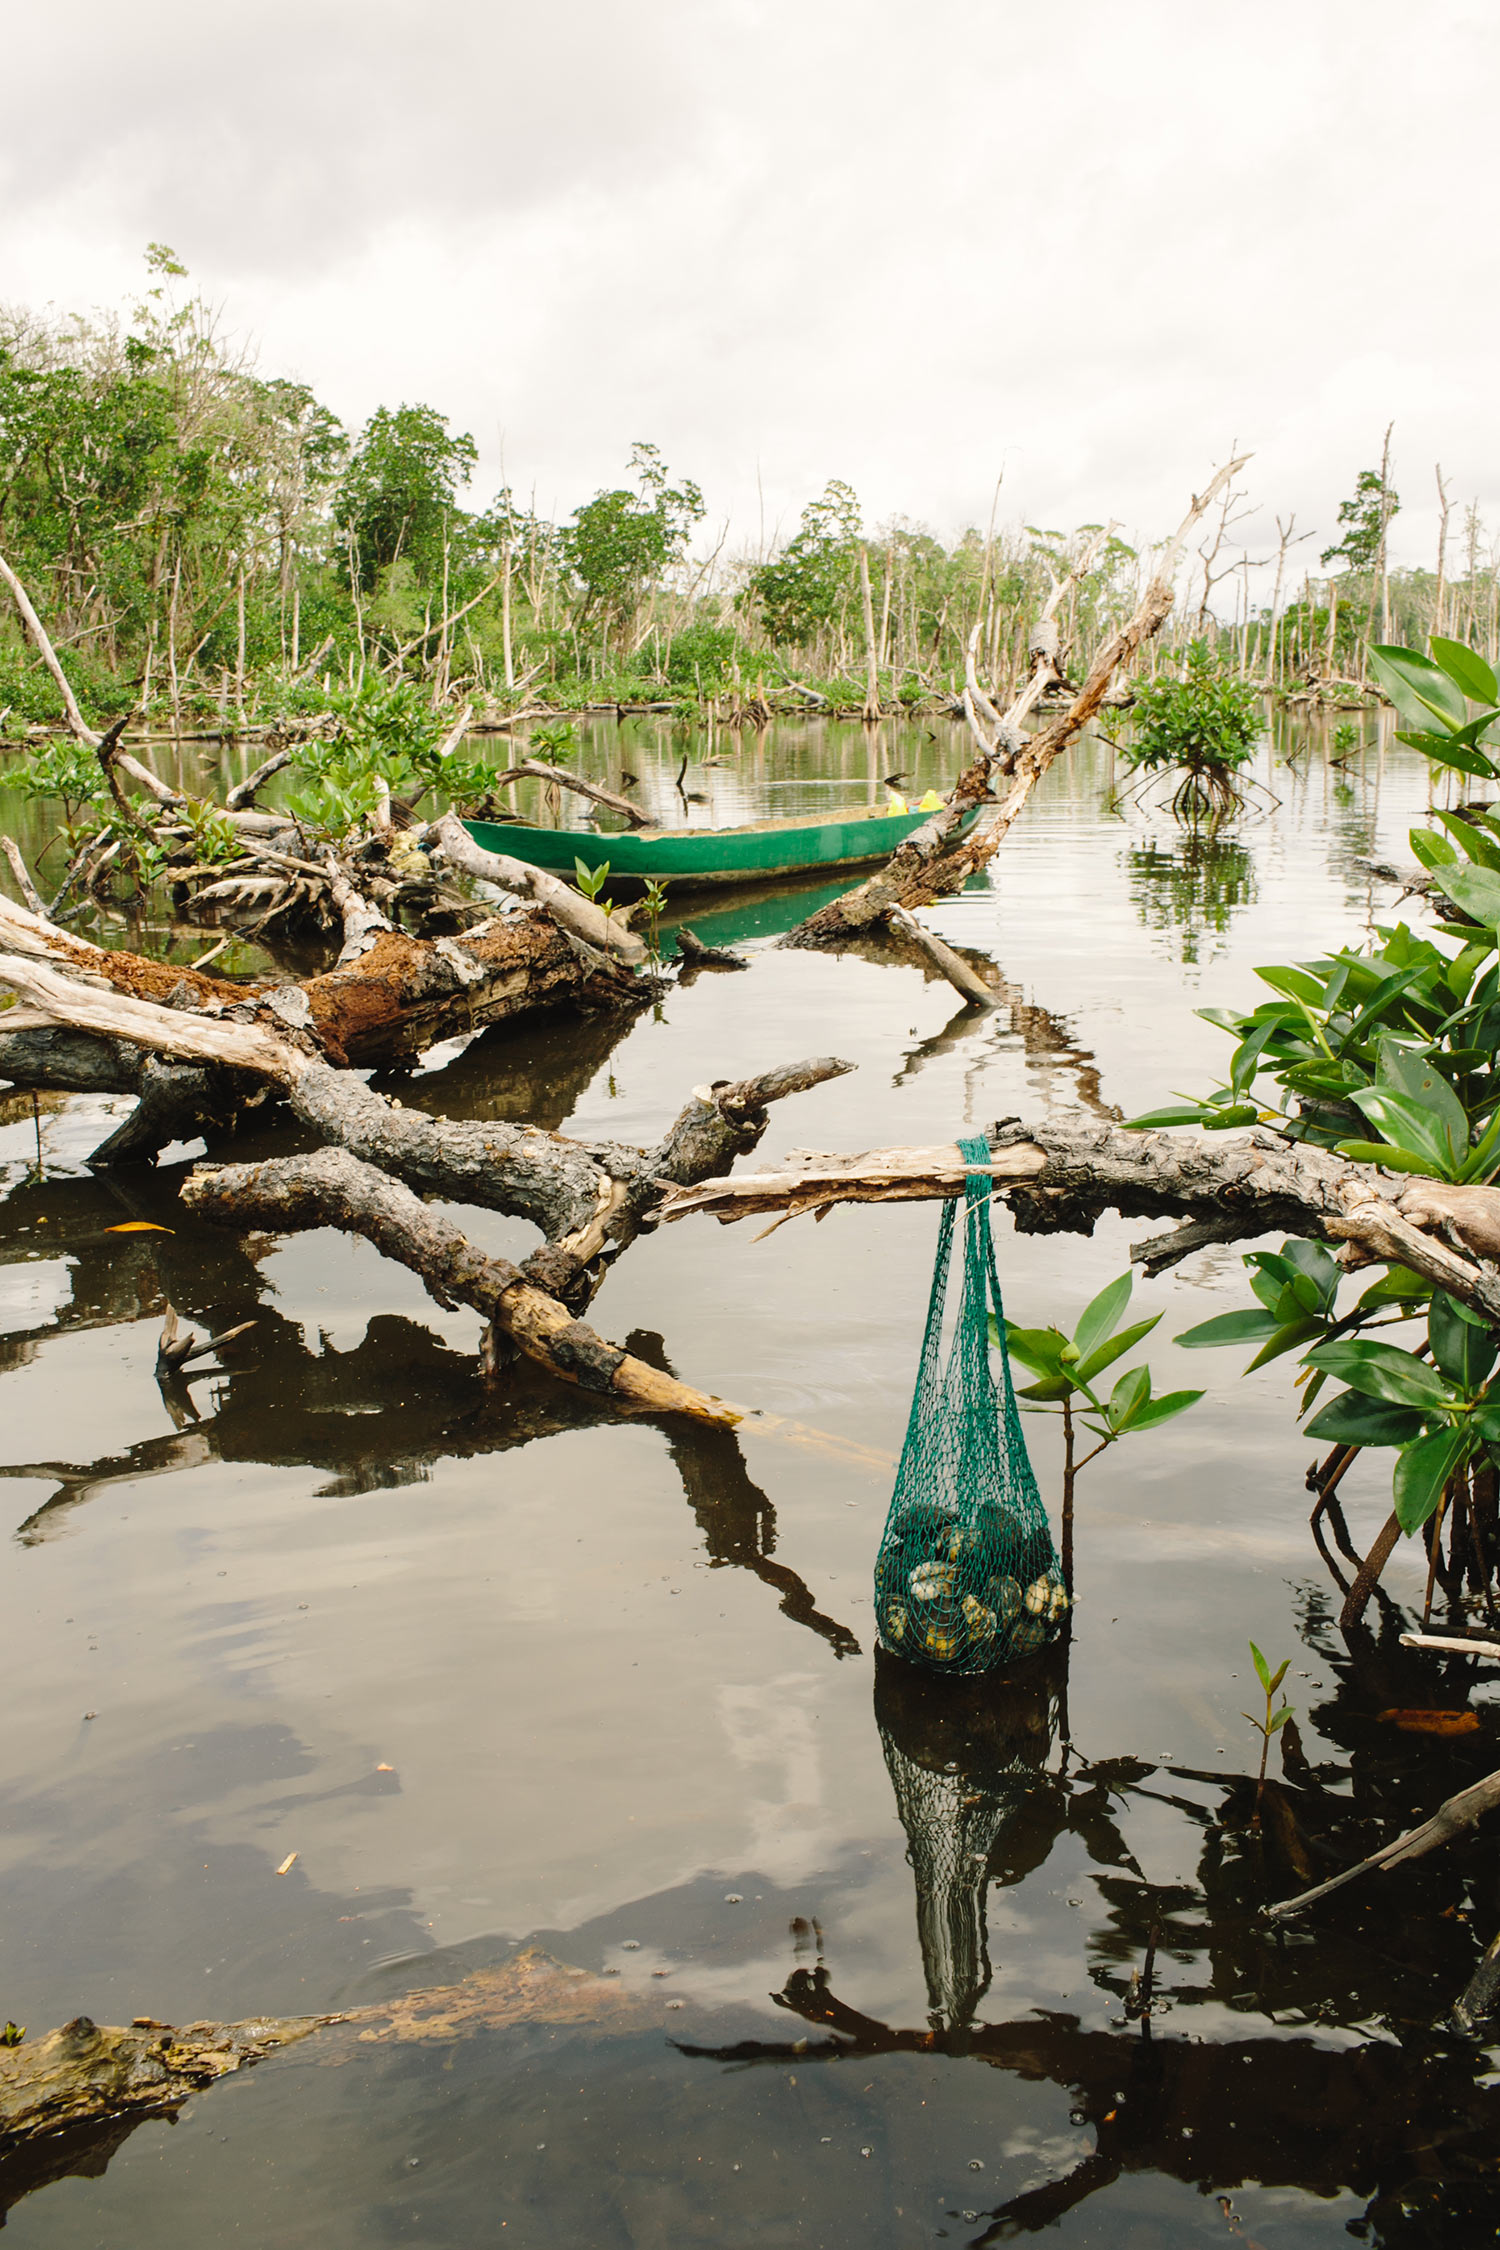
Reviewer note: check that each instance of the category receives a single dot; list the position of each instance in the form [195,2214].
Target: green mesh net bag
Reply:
[966,1578]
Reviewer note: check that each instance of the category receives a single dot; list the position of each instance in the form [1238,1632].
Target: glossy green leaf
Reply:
[1179,1114]
[1422,1470]
[1398,1285]
[1425,1130]
[1115,1348]
[1381,1371]
[1447,750]
[1158,1410]
[1463,1352]
[1262,1668]
[1289,1337]
[1353,1419]
[1247,1327]
[1474,890]
[1432,849]
[1050,1387]
[1101,1314]
[1129,1393]
[1418,687]
[1394,1159]
[1466,668]
[1038,1348]
[1473,840]
[1299,984]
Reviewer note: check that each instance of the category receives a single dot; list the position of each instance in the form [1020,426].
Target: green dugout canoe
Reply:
[708,856]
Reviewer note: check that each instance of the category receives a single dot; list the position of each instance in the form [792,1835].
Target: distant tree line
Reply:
[202,539]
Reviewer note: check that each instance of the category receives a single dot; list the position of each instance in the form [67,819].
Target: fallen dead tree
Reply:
[1059,1177]
[936,860]
[86,1017]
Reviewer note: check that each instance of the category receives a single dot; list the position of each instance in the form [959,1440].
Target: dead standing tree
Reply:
[938,858]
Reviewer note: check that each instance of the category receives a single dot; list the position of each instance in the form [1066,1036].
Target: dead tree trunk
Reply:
[931,863]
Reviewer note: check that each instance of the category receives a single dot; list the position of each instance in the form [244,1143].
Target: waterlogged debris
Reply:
[289,1861]
[87,2074]
[1432,1722]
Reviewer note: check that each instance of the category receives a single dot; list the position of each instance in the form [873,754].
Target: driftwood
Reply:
[1452,1817]
[697,955]
[85,2074]
[396,997]
[949,964]
[567,906]
[930,864]
[1059,1177]
[533,769]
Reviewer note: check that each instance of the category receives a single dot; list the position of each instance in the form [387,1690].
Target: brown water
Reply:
[497,1668]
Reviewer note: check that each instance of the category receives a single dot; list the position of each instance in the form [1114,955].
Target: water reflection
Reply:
[1405,2117]
[962,1756]
[1192,892]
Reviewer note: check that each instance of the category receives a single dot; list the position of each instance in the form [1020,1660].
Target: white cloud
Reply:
[902,246]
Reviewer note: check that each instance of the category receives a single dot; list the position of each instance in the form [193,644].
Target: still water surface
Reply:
[499,1670]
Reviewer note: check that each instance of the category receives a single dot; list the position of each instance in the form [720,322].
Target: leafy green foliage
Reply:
[1274,1719]
[1440,1413]
[1204,726]
[619,543]
[1365,517]
[387,732]
[803,588]
[12,2034]
[399,495]
[591,880]
[1205,718]
[64,769]
[1397,1041]
[1068,1368]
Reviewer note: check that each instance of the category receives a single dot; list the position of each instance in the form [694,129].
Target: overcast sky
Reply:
[911,243]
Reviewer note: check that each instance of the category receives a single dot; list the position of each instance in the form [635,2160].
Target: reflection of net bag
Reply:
[965,1765]
[966,1577]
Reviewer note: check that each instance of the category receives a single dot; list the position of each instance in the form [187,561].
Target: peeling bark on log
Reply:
[1059,1177]
[398,997]
[333,1189]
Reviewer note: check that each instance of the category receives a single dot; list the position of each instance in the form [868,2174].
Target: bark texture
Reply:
[334,1189]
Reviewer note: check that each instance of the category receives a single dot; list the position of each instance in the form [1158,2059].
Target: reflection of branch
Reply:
[737,1519]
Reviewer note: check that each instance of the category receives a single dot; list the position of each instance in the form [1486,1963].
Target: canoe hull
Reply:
[705,858]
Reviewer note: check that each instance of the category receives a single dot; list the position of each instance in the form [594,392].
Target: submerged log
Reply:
[87,2075]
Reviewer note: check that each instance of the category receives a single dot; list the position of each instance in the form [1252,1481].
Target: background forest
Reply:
[210,546]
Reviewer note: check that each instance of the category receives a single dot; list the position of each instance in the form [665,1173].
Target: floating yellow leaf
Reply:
[139,1226]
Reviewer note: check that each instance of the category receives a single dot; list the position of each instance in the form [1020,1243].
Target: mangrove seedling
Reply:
[1068,1368]
[591,880]
[1273,1721]
[654,900]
